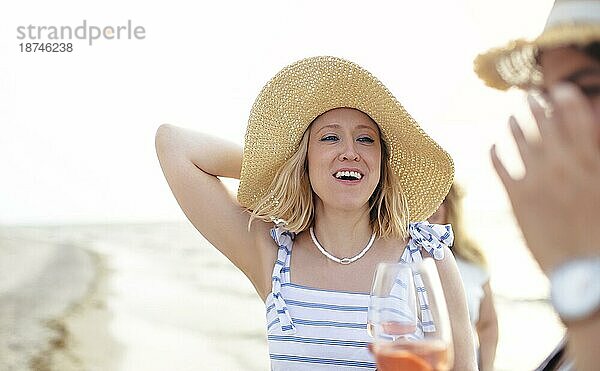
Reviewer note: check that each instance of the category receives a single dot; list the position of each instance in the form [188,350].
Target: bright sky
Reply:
[77,129]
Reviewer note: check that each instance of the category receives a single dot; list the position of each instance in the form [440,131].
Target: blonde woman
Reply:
[472,266]
[334,173]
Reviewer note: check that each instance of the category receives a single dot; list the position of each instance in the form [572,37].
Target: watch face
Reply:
[576,288]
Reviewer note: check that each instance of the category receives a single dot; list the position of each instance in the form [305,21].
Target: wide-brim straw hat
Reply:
[571,22]
[302,91]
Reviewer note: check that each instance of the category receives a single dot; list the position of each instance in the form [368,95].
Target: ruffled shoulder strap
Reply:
[431,237]
[281,274]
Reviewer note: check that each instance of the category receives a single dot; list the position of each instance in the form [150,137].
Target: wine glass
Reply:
[408,318]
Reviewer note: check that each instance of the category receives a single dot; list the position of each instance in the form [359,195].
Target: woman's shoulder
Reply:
[267,237]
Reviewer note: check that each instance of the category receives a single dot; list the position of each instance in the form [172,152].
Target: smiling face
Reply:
[575,66]
[344,159]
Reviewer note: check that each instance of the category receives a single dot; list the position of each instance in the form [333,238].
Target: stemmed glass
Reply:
[408,318]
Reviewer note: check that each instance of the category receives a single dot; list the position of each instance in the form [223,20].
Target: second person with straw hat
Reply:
[556,200]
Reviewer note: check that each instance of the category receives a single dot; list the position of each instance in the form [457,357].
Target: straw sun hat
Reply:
[301,92]
[571,22]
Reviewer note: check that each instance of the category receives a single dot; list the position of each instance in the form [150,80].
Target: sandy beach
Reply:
[52,298]
[159,297]
[145,297]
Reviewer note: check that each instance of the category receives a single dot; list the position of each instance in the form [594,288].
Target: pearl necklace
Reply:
[344,261]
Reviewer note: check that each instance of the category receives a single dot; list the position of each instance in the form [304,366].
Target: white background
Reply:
[77,129]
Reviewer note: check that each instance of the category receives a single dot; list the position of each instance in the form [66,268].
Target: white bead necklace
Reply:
[344,261]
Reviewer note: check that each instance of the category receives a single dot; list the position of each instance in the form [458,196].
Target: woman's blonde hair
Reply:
[463,246]
[290,199]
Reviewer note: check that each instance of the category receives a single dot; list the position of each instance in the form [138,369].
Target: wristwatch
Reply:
[575,288]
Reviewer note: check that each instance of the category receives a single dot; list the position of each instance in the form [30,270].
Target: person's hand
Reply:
[557,201]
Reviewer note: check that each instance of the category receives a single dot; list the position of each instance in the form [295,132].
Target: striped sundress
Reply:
[317,329]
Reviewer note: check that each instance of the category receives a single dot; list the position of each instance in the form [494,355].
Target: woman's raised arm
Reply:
[192,163]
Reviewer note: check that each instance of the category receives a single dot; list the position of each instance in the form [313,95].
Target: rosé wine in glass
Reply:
[408,319]
[426,355]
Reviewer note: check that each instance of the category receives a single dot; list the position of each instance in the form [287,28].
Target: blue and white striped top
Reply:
[317,329]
